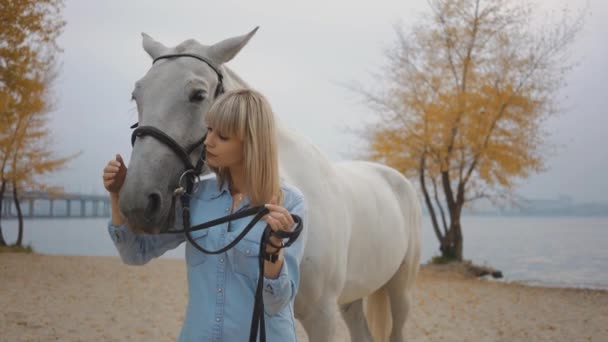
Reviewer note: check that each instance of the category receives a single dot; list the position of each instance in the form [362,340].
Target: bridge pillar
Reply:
[95,208]
[51,202]
[68,207]
[82,207]
[30,213]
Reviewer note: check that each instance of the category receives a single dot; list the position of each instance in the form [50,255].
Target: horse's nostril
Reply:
[153,204]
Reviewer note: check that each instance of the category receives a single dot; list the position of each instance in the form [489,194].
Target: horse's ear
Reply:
[225,50]
[152,47]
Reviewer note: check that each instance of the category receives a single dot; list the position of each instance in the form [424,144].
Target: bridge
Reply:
[42,205]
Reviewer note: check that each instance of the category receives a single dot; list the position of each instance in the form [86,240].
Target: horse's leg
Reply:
[321,324]
[400,307]
[355,321]
[399,290]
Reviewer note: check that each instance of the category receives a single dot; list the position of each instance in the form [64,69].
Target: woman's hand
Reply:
[278,219]
[114,175]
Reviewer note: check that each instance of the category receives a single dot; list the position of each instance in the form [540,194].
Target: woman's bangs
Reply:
[225,120]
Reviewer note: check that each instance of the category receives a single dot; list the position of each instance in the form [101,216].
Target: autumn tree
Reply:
[28,60]
[468,90]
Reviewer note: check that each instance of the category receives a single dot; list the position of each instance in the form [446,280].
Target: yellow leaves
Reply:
[473,85]
[27,54]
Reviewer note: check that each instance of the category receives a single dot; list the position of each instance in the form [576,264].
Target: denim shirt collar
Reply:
[215,190]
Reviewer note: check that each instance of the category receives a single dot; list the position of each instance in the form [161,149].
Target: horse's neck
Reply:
[295,150]
[298,155]
[232,80]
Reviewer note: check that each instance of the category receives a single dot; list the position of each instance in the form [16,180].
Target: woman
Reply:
[241,148]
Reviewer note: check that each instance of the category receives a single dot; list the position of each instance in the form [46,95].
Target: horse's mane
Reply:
[232,80]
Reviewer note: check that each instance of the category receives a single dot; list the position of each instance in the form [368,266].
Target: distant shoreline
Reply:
[518,282]
[530,215]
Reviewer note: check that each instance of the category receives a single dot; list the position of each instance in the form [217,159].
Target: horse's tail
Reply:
[413,211]
[378,310]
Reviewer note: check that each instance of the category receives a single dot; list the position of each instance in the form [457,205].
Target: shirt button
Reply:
[219,290]
[247,252]
[227,209]
[217,319]
[221,260]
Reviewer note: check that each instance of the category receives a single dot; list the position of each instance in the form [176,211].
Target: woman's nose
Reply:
[207,141]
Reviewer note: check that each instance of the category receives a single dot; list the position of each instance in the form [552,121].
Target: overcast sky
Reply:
[298,58]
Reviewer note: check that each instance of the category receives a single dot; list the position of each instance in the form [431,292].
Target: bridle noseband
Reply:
[185,189]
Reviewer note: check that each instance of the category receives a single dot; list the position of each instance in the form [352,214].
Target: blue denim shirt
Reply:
[222,287]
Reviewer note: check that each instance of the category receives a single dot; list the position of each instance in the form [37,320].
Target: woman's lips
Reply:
[210,154]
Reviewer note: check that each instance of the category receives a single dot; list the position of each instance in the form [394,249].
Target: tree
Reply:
[31,157]
[28,54]
[468,91]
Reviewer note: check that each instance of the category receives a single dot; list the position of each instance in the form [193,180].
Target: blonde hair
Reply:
[247,115]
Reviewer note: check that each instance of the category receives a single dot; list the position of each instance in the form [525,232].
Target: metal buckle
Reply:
[180,190]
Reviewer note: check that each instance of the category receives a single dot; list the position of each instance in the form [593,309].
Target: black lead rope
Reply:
[257,319]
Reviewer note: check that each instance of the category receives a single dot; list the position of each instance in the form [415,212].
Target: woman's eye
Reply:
[222,137]
[198,96]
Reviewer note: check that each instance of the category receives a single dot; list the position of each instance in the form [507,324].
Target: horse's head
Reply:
[174,97]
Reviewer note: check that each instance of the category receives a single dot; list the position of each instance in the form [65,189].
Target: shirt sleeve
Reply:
[138,249]
[280,291]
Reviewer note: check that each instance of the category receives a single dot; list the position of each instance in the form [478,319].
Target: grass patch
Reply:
[16,249]
[442,260]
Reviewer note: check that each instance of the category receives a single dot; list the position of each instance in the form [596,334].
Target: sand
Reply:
[76,298]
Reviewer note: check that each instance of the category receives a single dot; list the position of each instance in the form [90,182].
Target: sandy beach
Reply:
[66,298]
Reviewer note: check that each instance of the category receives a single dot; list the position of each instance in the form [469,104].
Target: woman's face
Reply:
[222,151]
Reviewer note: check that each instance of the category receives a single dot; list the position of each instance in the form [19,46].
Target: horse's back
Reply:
[380,231]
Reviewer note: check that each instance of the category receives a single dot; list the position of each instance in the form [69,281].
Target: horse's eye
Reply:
[198,95]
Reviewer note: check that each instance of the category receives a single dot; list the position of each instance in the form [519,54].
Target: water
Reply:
[562,252]
[549,251]
[74,236]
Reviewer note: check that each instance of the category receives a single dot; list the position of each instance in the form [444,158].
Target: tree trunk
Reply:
[2,188]
[19,215]
[452,244]
[427,198]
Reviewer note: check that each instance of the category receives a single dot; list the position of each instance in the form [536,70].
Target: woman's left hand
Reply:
[278,218]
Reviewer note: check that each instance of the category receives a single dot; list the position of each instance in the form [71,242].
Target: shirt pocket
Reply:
[245,258]
[194,257]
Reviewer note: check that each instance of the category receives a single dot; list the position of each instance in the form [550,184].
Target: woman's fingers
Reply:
[281,217]
[109,172]
[281,221]
[273,223]
[282,210]
[114,174]
[277,208]
[112,168]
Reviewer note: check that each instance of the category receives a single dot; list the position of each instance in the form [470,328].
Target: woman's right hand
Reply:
[114,175]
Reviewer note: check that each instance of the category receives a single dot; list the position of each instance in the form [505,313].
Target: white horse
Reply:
[364,218]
